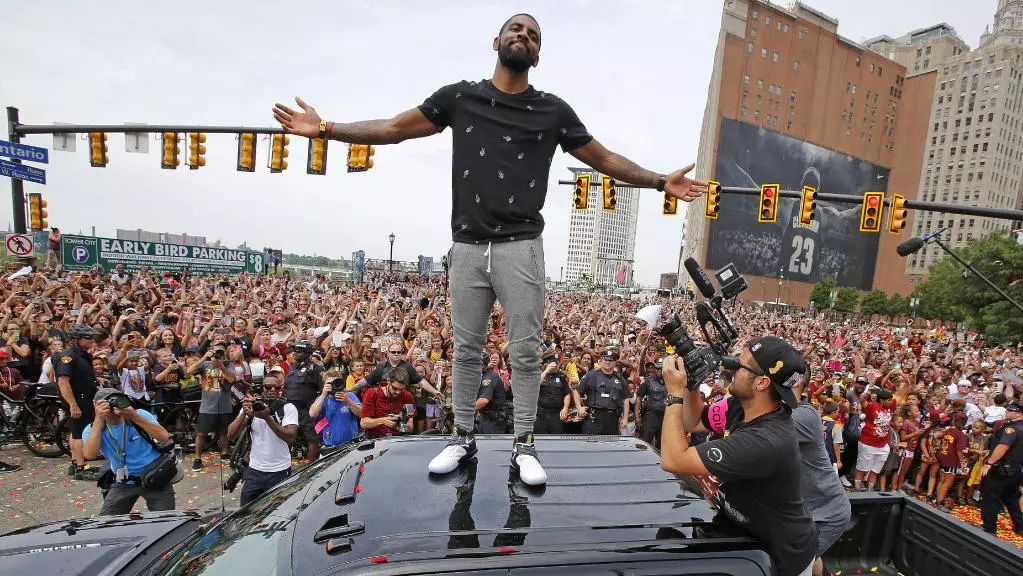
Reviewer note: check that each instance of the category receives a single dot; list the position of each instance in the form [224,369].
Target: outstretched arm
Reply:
[306,122]
[621,168]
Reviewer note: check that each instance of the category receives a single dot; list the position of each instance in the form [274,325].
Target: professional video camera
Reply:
[700,361]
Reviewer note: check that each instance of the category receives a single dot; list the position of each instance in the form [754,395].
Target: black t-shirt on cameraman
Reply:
[503,148]
[758,466]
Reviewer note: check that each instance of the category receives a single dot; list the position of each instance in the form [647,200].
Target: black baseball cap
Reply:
[781,363]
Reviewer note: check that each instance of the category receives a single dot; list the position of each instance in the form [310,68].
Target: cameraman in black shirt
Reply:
[505,134]
[758,463]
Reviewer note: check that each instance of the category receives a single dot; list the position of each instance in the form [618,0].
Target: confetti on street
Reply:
[43,492]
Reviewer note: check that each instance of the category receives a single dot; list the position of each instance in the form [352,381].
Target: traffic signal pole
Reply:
[17,188]
[984,212]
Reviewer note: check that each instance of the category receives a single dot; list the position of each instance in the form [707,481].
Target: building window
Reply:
[755,14]
[779,24]
[749,48]
[774,57]
[928,50]
[785,28]
[745,78]
[858,61]
[802,33]
[742,111]
[871,67]
[763,52]
[795,64]
[753,32]
[756,114]
[767,18]
[760,84]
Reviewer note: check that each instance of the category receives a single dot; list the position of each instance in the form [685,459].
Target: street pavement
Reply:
[43,492]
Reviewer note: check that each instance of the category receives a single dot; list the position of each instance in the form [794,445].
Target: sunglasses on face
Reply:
[273,387]
[734,364]
[394,351]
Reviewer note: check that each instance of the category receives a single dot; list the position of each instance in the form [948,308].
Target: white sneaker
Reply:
[524,459]
[459,449]
[845,482]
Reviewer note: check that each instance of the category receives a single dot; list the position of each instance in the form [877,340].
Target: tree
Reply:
[950,293]
[847,299]
[897,306]
[874,302]
[821,294]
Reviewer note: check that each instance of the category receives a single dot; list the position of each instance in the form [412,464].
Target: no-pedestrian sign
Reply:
[19,244]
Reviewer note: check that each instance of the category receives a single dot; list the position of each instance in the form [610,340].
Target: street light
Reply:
[390,261]
[781,276]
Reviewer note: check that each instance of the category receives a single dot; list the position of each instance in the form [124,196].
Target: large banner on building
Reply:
[82,252]
[831,247]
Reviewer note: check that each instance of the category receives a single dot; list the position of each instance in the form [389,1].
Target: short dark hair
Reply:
[514,16]
[829,407]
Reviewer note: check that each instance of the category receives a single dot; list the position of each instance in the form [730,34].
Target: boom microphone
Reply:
[700,278]
[915,244]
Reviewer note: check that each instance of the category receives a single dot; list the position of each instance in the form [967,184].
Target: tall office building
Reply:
[972,147]
[601,244]
[792,102]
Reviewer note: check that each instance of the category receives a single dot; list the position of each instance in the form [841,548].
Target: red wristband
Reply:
[330,128]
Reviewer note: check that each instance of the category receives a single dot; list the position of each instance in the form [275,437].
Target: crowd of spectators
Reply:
[904,408]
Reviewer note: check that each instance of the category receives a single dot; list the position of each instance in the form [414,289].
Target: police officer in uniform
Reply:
[555,395]
[301,386]
[1003,473]
[490,400]
[77,384]
[607,397]
[650,404]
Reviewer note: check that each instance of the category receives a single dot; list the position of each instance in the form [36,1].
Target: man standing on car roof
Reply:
[505,135]
[758,462]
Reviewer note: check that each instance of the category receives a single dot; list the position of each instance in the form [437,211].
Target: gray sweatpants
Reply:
[513,273]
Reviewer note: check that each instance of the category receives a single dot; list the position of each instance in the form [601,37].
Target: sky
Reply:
[636,72]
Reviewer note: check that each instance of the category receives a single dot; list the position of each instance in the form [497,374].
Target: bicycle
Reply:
[36,421]
[178,415]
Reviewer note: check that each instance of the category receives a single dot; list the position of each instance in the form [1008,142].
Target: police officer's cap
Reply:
[1014,407]
[82,331]
[609,354]
[304,346]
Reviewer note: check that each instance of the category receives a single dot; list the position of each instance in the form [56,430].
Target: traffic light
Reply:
[670,206]
[768,203]
[37,212]
[713,199]
[247,152]
[870,212]
[359,157]
[582,192]
[278,153]
[170,151]
[808,205]
[317,163]
[897,214]
[608,194]
[98,149]
[196,150]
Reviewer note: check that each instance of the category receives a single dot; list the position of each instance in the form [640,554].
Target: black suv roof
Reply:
[375,509]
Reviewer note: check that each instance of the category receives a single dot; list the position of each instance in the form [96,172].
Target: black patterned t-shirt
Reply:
[503,148]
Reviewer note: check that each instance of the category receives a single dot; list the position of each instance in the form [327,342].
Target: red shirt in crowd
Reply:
[910,427]
[877,425]
[953,444]
[376,404]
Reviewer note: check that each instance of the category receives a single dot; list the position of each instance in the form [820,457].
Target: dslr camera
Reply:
[699,361]
[119,401]
[407,411]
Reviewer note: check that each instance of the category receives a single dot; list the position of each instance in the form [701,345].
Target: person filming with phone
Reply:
[128,439]
[341,411]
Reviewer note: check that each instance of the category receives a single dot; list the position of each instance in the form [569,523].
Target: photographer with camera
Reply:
[341,411]
[128,438]
[215,409]
[387,408]
[272,424]
[757,464]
